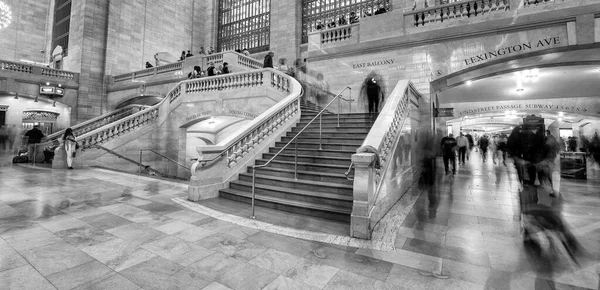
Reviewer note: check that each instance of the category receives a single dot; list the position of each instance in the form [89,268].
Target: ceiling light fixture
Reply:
[469,82]
[47,83]
[5,15]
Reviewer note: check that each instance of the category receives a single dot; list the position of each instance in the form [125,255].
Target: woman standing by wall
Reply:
[70,146]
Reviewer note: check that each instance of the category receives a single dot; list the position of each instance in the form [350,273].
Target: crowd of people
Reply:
[353,17]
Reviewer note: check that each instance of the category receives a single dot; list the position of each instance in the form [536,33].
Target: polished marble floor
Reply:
[96,229]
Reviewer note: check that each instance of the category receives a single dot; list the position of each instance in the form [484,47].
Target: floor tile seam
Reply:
[175,184]
[285,231]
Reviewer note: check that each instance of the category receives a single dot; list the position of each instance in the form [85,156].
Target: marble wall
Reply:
[28,31]
[424,63]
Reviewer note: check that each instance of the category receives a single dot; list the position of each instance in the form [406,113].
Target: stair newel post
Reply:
[253,190]
[296,159]
[350,98]
[320,131]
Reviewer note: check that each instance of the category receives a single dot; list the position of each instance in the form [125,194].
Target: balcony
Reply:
[443,19]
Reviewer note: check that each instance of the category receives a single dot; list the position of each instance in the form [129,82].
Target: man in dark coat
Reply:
[269,60]
[449,152]
[373,95]
[35,136]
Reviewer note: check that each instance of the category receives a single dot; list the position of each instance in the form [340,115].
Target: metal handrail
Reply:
[348,172]
[161,155]
[295,140]
[224,151]
[350,100]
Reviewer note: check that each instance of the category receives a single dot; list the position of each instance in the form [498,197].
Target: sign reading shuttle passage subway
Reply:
[517,48]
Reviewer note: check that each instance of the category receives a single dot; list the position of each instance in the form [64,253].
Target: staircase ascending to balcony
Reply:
[321,190]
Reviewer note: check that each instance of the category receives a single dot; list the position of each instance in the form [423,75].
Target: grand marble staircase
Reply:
[321,188]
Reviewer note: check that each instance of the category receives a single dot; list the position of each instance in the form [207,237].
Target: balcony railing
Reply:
[236,62]
[28,69]
[454,11]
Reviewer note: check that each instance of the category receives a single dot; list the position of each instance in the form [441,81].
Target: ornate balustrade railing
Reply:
[95,123]
[231,155]
[37,70]
[115,125]
[249,62]
[341,33]
[527,3]
[15,66]
[118,128]
[454,11]
[61,74]
[379,182]
[234,59]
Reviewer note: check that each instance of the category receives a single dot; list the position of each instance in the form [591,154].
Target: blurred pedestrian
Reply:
[483,146]
[268,62]
[70,144]
[463,145]
[449,153]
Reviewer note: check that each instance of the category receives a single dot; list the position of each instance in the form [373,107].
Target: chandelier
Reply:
[5,15]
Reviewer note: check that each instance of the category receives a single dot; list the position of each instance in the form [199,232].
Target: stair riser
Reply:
[310,115]
[312,168]
[346,141]
[291,151]
[296,197]
[326,146]
[311,187]
[332,130]
[316,160]
[333,124]
[293,209]
[357,135]
[301,176]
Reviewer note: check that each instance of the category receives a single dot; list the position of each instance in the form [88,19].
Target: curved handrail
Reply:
[255,124]
[254,167]
[163,156]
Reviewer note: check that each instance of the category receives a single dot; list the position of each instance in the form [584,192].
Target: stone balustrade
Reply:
[95,123]
[249,62]
[233,154]
[44,72]
[262,131]
[228,81]
[181,68]
[341,33]
[119,127]
[378,182]
[454,11]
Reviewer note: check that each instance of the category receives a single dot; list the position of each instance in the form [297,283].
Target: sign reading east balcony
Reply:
[512,49]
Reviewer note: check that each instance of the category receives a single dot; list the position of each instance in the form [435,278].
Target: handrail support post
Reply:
[339,110]
[320,132]
[296,160]
[140,165]
[253,190]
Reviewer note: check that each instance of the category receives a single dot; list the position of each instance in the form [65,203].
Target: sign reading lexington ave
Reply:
[517,48]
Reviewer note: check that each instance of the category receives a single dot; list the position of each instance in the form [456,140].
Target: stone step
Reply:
[343,161]
[349,135]
[333,123]
[311,185]
[290,150]
[306,208]
[303,138]
[303,175]
[306,166]
[327,130]
[325,146]
[338,200]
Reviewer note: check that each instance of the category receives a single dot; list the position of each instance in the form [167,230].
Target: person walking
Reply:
[448,153]
[34,136]
[373,95]
[12,136]
[225,69]
[471,144]
[70,144]
[268,62]
[483,146]
[463,145]
[210,71]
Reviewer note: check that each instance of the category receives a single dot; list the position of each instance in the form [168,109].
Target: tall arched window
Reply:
[244,24]
[324,13]
[62,21]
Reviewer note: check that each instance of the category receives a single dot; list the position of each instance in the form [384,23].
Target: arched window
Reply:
[244,24]
[323,14]
[62,21]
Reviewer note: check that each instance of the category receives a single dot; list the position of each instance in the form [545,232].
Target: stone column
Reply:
[286,22]
[364,189]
